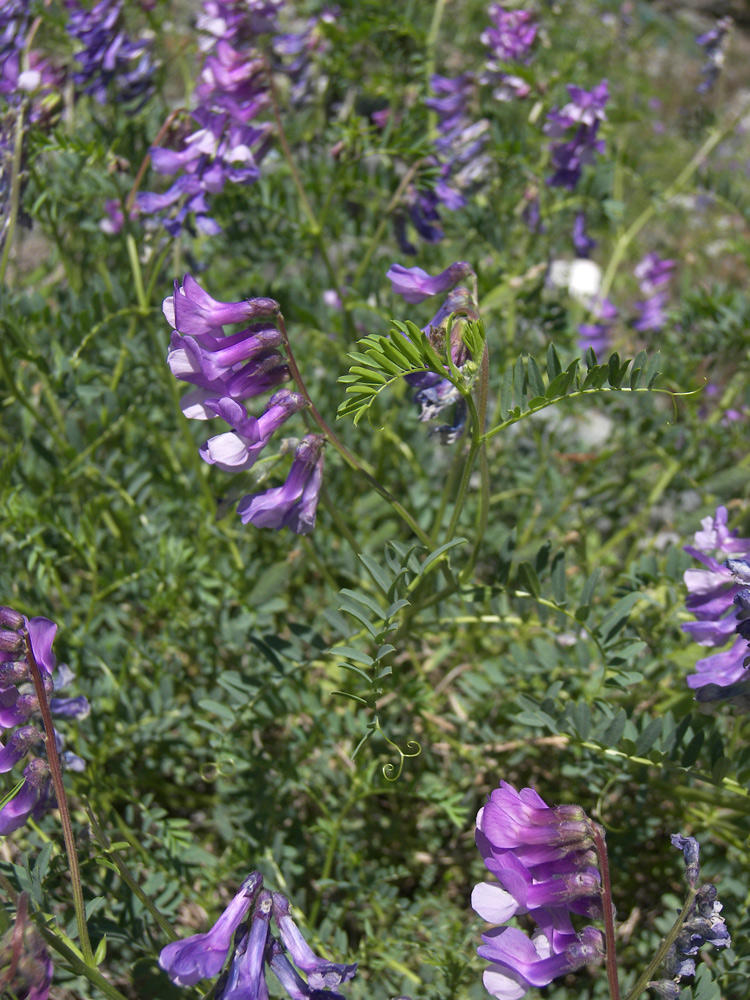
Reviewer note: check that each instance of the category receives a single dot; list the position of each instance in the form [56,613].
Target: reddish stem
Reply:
[609,912]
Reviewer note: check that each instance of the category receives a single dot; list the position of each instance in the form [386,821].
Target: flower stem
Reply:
[663,948]
[315,227]
[341,448]
[608,907]
[483,508]
[15,193]
[62,803]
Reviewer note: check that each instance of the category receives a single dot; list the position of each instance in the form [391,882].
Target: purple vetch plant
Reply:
[227,370]
[244,931]
[231,131]
[719,598]
[434,392]
[700,923]
[25,963]
[654,274]
[578,123]
[545,864]
[19,707]
[714,44]
[110,63]
[22,73]
[509,41]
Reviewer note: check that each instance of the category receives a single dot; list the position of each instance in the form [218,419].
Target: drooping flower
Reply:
[254,948]
[582,242]
[711,599]
[294,504]
[415,285]
[545,865]
[321,974]
[202,956]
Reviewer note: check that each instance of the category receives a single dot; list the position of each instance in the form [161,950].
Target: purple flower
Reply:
[711,599]
[520,962]
[597,335]
[32,799]
[238,449]
[294,504]
[714,43]
[108,58]
[416,285]
[321,974]
[691,852]
[509,41]
[584,113]
[582,242]
[245,978]
[24,959]
[192,311]
[544,864]
[653,274]
[512,35]
[202,956]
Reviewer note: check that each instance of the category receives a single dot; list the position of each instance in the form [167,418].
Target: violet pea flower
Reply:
[238,449]
[191,310]
[202,956]
[294,504]
[321,974]
[415,285]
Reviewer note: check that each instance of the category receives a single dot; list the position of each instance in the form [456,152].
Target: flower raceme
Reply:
[545,865]
[18,706]
[253,947]
[227,370]
[714,594]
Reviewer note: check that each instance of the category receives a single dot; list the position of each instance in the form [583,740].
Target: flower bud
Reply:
[10,642]
[10,618]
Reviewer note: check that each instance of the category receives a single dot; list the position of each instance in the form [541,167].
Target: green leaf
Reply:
[648,737]
[353,654]
[434,556]
[554,368]
[529,579]
[536,382]
[557,577]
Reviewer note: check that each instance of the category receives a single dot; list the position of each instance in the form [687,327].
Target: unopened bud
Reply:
[10,618]
[10,642]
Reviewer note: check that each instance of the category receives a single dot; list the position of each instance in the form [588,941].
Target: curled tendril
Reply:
[413,749]
[226,767]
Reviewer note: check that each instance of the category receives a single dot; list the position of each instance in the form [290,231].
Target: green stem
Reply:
[55,768]
[79,966]
[315,227]
[664,947]
[674,188]
[331,852]
[376,240]
[463,488]
[483,507]
[127,877]
[15,192]
[343,450]
[135,267]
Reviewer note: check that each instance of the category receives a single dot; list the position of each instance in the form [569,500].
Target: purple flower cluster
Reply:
[19,703]
[509,40]
[653,274]
[25,964]
[459,161]
[714,44]
[202,956]
[434,392]
[714,594]
[578,121]
[110,62]
[703,925]
[228,369]
[545,865]
[17,80]
[230,140]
